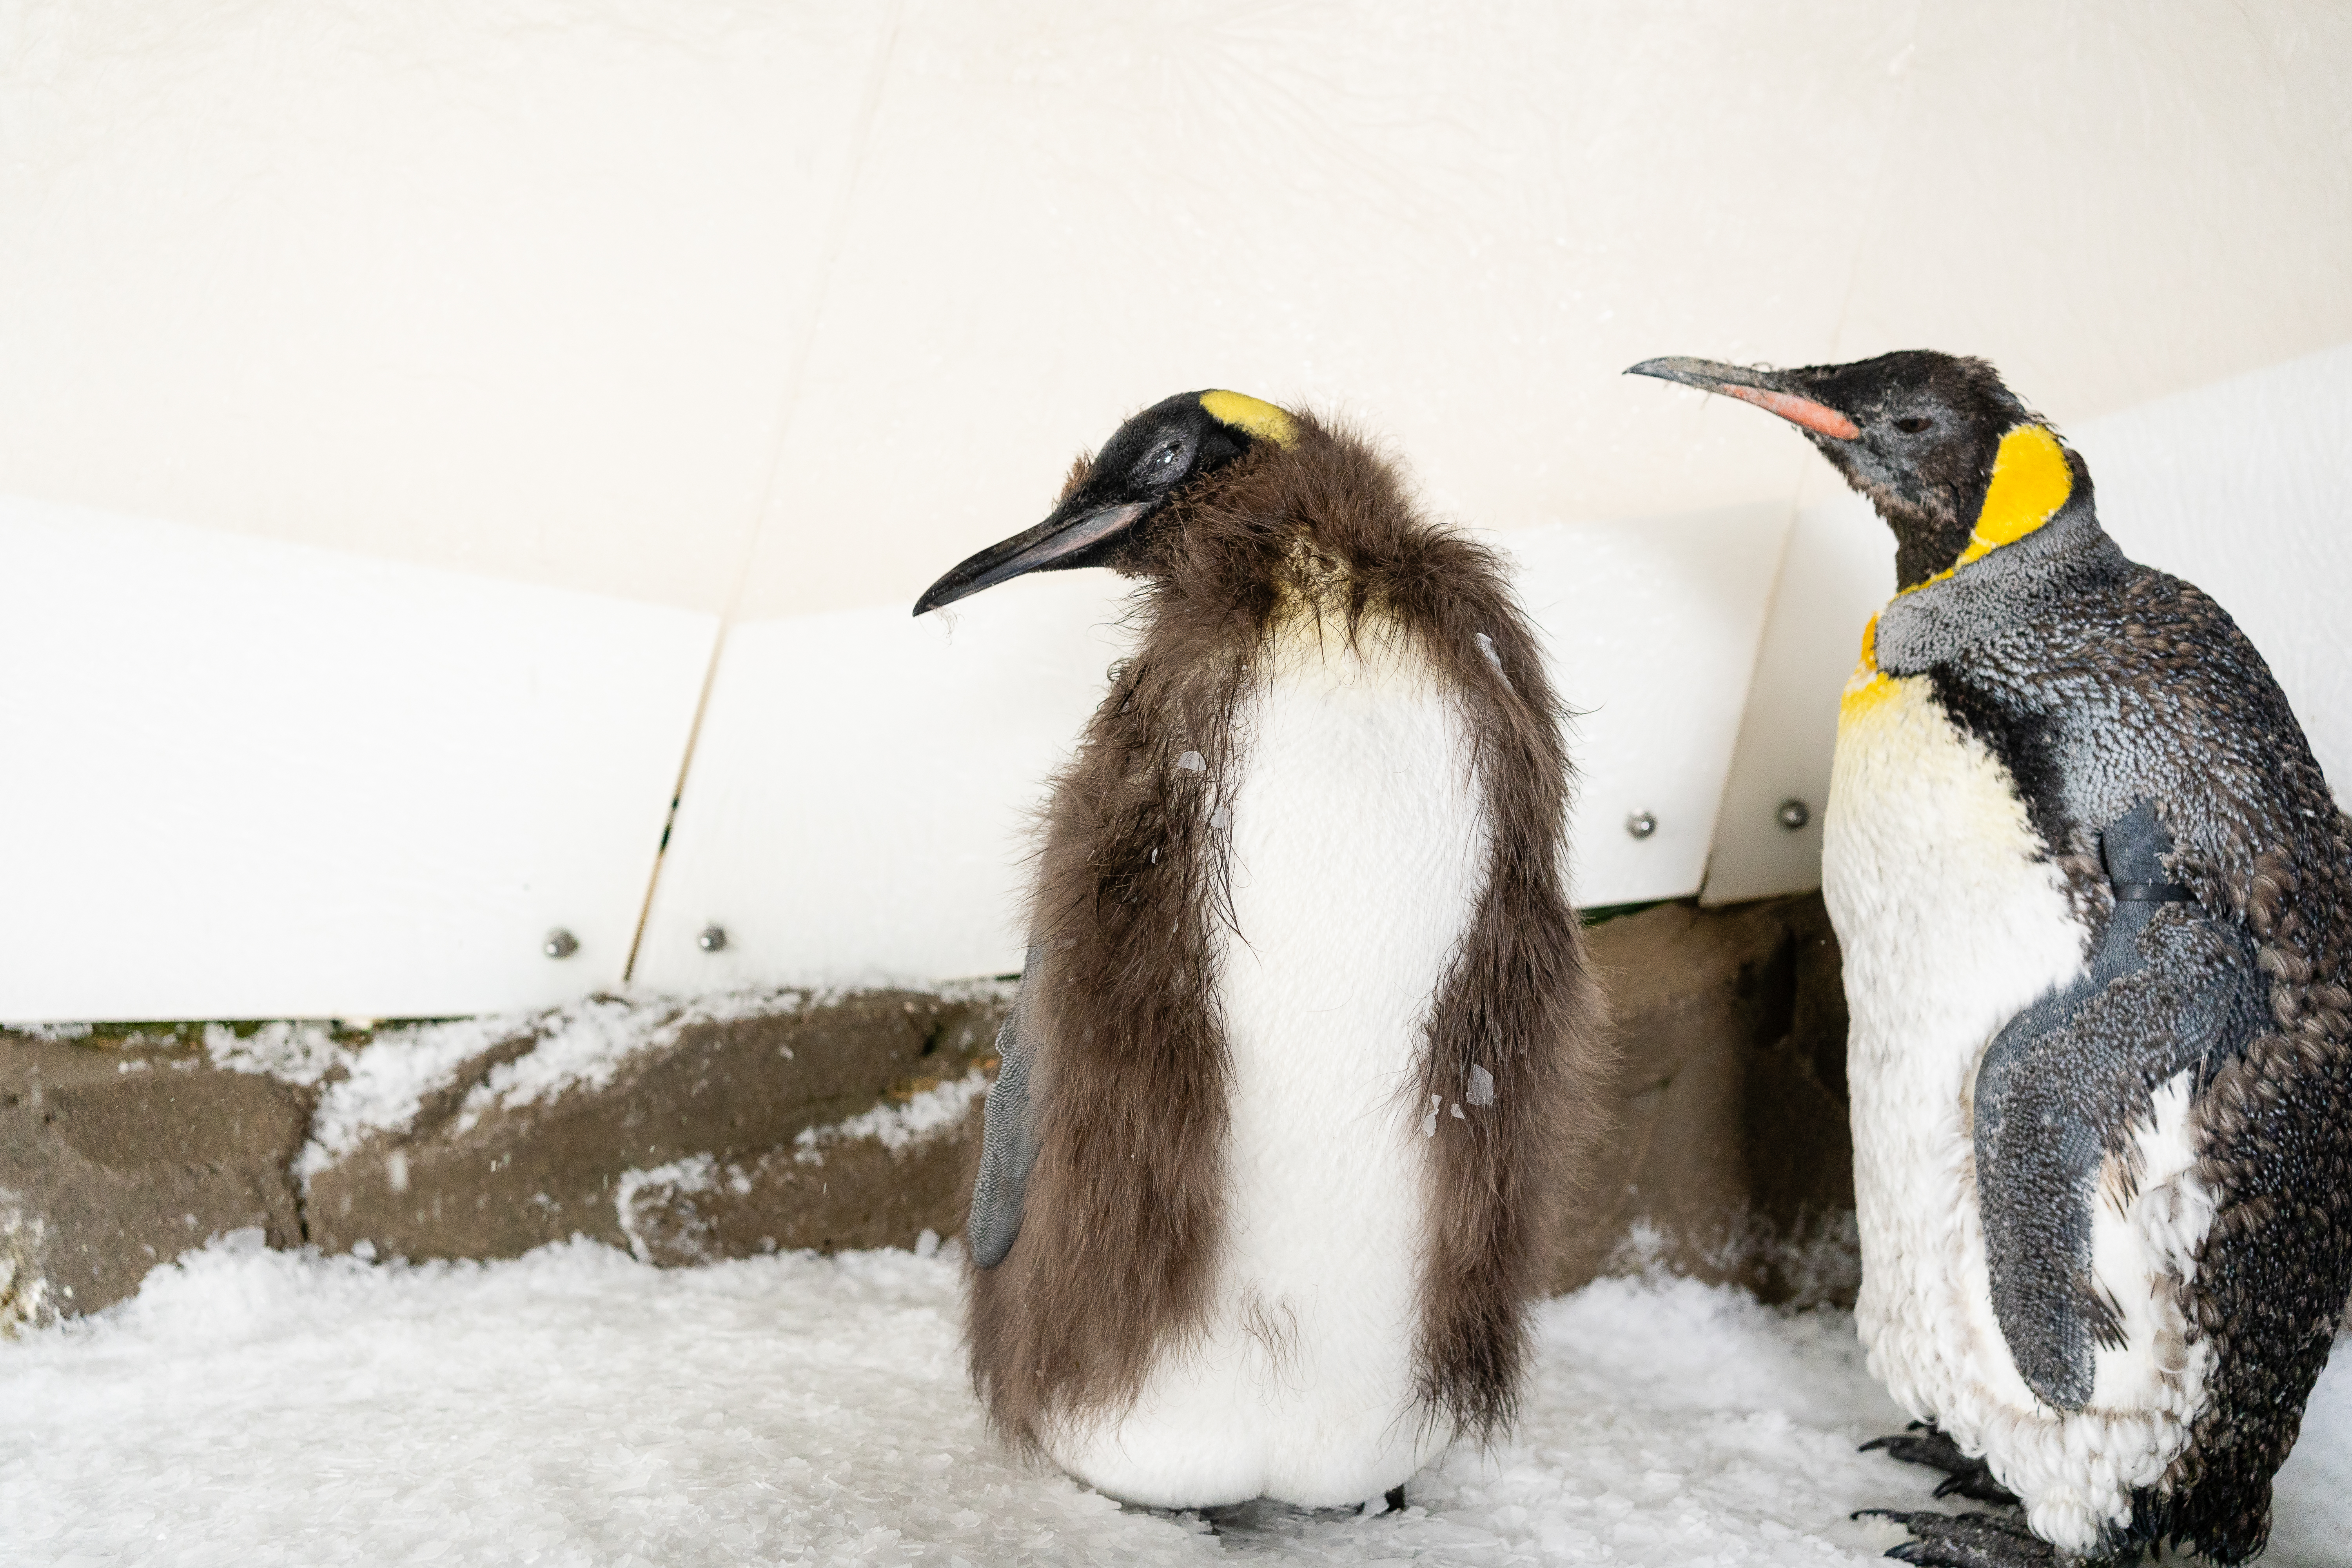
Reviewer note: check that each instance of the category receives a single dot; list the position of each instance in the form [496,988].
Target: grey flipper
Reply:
[1008,1141]
[2064,1084]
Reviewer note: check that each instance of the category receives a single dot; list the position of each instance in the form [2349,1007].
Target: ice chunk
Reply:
[1482,1086]
[1220,818]
[1487,646]
[1190,763]
[1429,1123]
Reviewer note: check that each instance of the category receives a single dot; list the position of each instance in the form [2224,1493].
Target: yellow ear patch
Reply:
[1261,419]
[2030,481]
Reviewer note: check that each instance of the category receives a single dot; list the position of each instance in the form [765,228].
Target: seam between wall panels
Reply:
[1900,118]
[1748,697]
[836,229]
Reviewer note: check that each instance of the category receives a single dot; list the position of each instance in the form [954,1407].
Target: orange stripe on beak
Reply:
[1818,417]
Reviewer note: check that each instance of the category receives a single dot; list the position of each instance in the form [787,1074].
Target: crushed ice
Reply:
[926,1113]
[575,1406]
[294,1053]
[1482,1086]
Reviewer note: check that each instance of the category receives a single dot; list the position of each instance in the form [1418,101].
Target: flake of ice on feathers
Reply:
[1190,763]
[1429,1123]
[1482,1086]
[1487,646]
[1220,818]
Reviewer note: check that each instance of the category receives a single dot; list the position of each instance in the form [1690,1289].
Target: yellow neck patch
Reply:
[1868,686]
[2031,480]
[1261,419]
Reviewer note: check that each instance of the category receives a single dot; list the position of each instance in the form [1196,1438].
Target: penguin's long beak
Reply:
[1076,527]
[1769,390]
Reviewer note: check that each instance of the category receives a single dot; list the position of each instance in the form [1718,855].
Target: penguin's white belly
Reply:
[1357,851]
[1950,924]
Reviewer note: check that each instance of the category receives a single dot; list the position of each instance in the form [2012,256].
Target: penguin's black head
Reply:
[1920,433]
[1117,505]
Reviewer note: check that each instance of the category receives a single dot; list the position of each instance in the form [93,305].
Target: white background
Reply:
[409,414]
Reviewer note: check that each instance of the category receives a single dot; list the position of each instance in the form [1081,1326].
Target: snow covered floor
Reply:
[252,1407]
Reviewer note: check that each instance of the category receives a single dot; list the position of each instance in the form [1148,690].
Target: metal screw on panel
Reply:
[1792,815]
[712,939]
[560,944]
[1641,825]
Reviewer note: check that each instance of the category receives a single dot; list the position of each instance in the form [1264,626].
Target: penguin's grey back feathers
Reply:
[2099,683]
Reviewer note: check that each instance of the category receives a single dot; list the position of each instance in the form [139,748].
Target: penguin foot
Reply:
[1925,1444]
[1395,1501]
[1967,1541]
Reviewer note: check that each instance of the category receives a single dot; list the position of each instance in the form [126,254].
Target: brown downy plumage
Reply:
[1117,1259]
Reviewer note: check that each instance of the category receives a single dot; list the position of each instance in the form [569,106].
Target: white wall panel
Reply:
[2111,202]
[1839,568]
[860,802]
[863,789]
[1456,225]
[511,285]
[1654,626]
[2245,489]
[2239,487]
[778,309]
[1460,222]
[244,778]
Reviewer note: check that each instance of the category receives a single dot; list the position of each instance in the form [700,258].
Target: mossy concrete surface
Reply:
[690,1132]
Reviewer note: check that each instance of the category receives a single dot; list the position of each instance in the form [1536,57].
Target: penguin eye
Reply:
[1164,464]
[1912,424]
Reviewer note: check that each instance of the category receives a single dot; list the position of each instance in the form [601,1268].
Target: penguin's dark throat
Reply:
[2031,480]
[1928,537]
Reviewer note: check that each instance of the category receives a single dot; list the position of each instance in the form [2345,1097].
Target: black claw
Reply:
[1882,1442]
[1395,1499]
[1967,1541]
[1977,1484]
[1970,1479]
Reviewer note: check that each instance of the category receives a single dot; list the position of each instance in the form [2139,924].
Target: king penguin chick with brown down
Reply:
[1300,1057]
[2093,898]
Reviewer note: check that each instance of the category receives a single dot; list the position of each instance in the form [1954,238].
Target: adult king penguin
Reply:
[1300,1050]
[2092,892]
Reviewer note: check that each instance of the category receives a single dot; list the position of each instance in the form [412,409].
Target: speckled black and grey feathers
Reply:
[2116,695]
[2065,1085]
